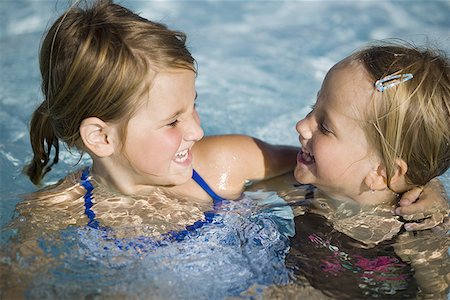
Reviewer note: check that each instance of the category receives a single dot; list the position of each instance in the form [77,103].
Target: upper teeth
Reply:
[182,155]
[306,156]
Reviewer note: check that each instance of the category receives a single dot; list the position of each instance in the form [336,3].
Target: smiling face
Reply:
[161,133]
[335,154]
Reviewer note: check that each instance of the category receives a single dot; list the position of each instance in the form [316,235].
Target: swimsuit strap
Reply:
[169,236]
[202,183]
[86,183]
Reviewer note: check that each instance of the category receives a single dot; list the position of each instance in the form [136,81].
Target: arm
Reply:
[430,209]
[427,253]
[278,159]
[228,162]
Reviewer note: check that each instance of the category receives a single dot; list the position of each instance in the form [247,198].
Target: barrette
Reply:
[391,81]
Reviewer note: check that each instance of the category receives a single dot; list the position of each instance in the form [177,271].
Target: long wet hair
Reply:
[410,121]
[95,62]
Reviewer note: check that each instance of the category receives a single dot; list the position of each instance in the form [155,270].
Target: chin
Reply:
[300,176]
[182,177]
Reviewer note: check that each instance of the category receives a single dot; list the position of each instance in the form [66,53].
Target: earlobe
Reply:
[96,137]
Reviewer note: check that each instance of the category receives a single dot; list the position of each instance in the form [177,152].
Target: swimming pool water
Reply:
[245,245]
[260,66]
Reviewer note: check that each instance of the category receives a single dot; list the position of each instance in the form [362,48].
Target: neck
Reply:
[377,197]
[109,177]
[366,197]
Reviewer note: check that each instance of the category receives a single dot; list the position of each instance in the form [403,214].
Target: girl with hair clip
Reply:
[379,128]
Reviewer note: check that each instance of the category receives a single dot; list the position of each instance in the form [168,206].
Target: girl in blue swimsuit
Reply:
[121,89]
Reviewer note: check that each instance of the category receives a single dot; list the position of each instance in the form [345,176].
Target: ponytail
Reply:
[42,138]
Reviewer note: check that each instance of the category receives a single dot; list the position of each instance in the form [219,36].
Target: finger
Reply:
[441,229]
[410,196]
[416,217]
[413,209]
[434,221]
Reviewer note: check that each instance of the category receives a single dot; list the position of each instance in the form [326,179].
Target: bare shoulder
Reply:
[61,191]
[54,206]
[227,161]
[227,151]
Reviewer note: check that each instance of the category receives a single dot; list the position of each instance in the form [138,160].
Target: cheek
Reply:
[152,150]
[332,158]
[326,150]
[338,161]
[169,142]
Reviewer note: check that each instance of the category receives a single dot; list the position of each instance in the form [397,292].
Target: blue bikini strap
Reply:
[216,198]
[85,182]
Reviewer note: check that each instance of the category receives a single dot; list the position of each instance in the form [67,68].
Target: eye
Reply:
[173,124]
[323,128]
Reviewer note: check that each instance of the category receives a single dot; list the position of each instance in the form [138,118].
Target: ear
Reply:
[398,179]
[376,179]
[97,136]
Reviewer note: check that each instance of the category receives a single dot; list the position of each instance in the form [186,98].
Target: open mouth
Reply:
[182,156]
[305,157]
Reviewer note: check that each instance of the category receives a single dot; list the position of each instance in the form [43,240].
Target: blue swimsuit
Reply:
[171,235]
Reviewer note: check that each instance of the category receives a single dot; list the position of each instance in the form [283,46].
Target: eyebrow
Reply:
[323,115]
[176,114]
[330,123]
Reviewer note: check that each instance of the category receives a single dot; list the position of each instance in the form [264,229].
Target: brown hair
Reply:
[94,63]
[412,120]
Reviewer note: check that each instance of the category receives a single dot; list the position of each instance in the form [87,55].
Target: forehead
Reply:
[171,85]
[347,88]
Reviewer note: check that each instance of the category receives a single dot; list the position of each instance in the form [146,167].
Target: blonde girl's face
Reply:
[160,135]
[335,153]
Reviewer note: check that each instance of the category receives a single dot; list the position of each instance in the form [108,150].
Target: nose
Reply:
[194,131]
[304,128]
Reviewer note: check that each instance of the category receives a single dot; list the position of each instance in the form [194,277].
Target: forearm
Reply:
[278,159]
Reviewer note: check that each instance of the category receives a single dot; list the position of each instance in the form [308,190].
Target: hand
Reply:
[430,210]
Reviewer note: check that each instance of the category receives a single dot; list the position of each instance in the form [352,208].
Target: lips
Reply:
[305,157]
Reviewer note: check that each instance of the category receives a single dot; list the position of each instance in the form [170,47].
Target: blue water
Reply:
[261,64]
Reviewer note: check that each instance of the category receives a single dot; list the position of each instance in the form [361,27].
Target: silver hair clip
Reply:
[391,81]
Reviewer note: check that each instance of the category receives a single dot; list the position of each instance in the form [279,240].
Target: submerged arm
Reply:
[427,253]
